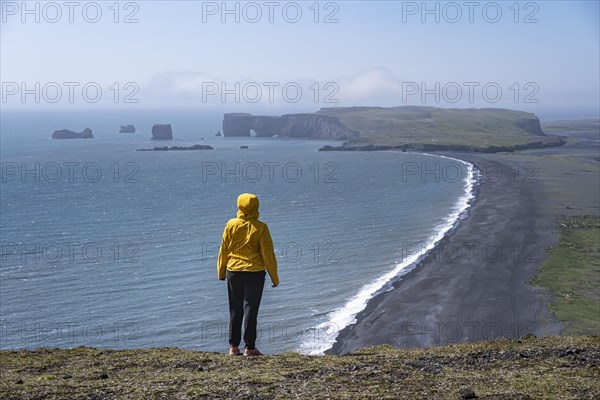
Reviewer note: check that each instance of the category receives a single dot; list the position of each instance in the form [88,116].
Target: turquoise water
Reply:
[108,247]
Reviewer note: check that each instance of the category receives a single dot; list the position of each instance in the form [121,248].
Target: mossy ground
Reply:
[554,367]
[572,274]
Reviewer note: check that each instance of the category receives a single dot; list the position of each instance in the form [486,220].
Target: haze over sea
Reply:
[108,247]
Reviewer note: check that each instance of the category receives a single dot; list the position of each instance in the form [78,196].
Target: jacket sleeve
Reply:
[268,255]
[223,255]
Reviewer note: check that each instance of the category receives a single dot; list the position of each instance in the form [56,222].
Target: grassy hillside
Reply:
[572,274]
[429,125]
[557,367]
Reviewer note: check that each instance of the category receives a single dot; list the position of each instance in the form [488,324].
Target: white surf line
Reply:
[338,319]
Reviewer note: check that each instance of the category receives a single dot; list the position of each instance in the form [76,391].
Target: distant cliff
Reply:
[67,134]
[289,125]
[531,125]
[162,132]
[407,127]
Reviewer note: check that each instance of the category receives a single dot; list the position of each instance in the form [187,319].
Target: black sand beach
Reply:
[474,286]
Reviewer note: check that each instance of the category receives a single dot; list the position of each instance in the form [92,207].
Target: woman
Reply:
[246,251]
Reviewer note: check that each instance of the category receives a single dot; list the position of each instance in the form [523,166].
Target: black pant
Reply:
[244,290]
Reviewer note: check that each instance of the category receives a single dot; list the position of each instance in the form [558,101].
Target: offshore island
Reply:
[524,325]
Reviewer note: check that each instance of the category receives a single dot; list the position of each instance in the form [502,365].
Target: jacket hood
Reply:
[247,206]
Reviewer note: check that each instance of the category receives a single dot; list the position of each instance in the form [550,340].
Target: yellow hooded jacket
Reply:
[247,243]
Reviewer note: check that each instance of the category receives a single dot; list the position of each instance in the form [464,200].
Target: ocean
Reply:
[106,246]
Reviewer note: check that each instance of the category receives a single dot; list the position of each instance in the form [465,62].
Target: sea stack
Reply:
[127,129]
[162,132]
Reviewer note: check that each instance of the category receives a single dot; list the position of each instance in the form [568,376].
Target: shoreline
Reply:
[474,285]
[346,315]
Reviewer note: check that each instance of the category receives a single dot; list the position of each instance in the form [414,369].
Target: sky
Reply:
[273,56]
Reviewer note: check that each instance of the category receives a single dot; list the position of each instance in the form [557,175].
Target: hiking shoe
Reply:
[234,351]
[252,352]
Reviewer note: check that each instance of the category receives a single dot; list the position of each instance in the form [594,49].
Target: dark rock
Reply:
[329,148]
[427,366]
[67,134]
[198,147]
[66,376]
[466,393]
[166,148]
[19,381]
[243,147]
[289,125]
[127,129]
[162,132]
[200,368]
[528,336]
[103,376]
[552,142]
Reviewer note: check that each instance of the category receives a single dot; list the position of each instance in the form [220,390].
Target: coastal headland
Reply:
[416,128]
